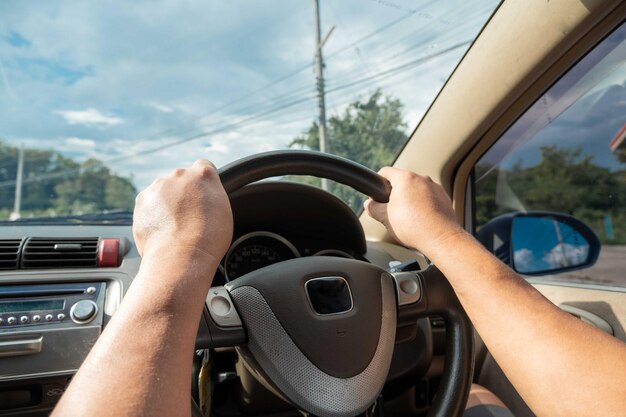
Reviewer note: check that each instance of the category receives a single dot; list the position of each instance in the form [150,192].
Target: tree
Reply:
[564,181]
[57,185]
[369,132]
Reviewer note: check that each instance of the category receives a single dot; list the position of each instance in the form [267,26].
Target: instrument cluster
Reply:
[259,249]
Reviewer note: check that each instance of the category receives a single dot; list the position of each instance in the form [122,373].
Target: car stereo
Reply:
[47,330]
[28,306]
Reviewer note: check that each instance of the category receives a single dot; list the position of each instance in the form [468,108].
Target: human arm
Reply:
[561,366]
[141,364]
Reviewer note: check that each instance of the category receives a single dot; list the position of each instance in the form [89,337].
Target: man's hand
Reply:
[189,210]
[560,365]
[141,364]
[419,212]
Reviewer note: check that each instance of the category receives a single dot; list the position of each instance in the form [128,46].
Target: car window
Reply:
[567,153]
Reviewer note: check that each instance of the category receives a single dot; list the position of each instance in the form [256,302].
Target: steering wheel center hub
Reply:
[332,363]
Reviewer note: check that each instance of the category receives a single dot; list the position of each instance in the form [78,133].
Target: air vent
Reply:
[60,253]
[9,253]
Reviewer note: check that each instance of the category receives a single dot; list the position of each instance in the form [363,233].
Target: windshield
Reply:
[100,98]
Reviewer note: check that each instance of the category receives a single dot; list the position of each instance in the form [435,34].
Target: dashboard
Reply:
[273,222]
[278,221]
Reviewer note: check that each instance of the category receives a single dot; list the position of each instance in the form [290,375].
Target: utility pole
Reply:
[319,78]
[18,185]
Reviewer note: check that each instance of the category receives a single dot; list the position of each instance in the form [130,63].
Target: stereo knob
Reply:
[83,311]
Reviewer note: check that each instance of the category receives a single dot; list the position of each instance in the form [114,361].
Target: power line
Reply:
[253,118]
[269,108]
[286,76]
[290,75]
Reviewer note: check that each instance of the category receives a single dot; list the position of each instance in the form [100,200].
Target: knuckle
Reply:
[178,172]
[208,171]
[409,176]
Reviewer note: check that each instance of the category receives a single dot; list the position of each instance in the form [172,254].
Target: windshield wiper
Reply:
[105,218]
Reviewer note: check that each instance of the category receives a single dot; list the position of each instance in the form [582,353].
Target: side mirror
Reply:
[540,243]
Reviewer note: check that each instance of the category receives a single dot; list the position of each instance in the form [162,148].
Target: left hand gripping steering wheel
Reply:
[320,331]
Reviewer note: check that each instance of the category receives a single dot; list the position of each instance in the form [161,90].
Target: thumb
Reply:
[376,210]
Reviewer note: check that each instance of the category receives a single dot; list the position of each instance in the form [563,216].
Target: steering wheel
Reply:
[320,331]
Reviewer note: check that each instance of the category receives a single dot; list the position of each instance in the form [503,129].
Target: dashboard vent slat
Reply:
[44,253]
[9,253]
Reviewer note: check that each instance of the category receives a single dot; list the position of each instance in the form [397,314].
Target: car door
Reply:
[566,154]
[526,84]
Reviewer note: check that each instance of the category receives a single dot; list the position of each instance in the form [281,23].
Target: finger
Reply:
[178,172]
[366,205]
[154,183]
[388,172]
[206,167]
[396,175]
[204,163]
[377,211]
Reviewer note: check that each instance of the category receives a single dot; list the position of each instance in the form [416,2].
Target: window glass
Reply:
[567,154]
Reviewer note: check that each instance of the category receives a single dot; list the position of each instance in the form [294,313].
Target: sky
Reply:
[150,85]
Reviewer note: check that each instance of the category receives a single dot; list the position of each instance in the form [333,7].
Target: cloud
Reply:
[88,117]
[161,107]
[523,259]
[80,143]
[565,254]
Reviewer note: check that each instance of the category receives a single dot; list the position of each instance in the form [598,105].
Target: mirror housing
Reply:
[540,242]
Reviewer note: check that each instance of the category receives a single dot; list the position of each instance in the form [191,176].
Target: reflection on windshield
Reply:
[104,97]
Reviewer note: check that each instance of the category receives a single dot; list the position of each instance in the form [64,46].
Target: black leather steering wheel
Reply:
[320,331]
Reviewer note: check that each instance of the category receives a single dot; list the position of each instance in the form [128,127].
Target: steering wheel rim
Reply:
[277,163]
[436,297]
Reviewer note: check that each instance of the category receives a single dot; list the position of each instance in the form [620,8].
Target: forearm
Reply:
[550,357]
[141,364]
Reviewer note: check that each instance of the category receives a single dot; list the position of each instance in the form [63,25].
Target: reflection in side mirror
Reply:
[546,244]
[539,243]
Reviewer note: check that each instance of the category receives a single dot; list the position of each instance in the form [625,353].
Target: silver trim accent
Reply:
[306,284]
[231,318]
[250,235]
[411,279]
[20,347]
[83,321]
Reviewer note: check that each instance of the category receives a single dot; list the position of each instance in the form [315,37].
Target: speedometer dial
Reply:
[257,250]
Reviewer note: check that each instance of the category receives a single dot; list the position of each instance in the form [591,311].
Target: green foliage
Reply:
[369,132]
[564,181]
[55,185]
